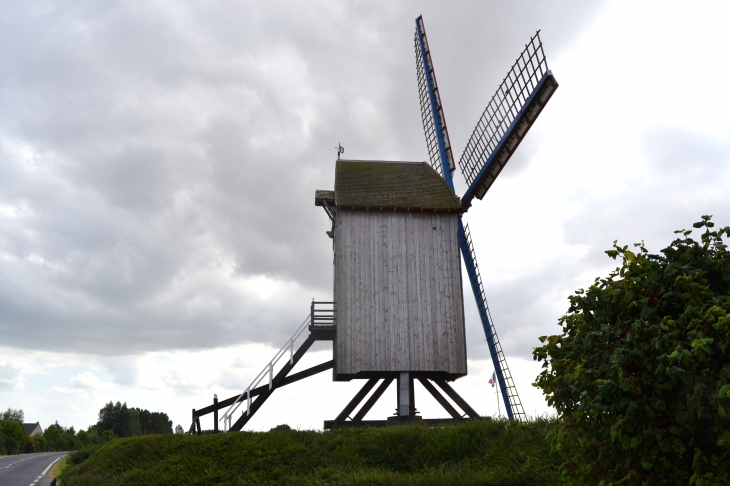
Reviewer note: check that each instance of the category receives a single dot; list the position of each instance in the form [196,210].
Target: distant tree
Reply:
[83,438]
[70,442]
[154,422]
[179,429]
[53,436]
[120,419]
[13,438]
[60,438]
[93,434]
[40,444]
[13,414]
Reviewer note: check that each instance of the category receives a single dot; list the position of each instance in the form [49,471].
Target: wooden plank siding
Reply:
[398,293]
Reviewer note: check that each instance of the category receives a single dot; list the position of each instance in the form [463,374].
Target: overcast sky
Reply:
[158,162]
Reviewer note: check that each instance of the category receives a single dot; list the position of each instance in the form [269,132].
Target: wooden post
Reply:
[192,428]
[412,397]
[215,414]
[404,400]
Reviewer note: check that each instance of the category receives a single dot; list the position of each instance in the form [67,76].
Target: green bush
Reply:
[39,443]
[13,438]
[640,375]
[479,452]
[77,457]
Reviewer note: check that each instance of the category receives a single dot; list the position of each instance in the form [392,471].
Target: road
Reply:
[27,469]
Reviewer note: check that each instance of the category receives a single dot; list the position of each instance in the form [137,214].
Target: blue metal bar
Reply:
[517,130]
[465,251]
[482,308]
[434,107]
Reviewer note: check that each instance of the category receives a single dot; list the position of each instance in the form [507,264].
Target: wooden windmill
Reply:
[398,238]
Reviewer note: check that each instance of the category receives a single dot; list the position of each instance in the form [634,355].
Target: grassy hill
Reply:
[480,452]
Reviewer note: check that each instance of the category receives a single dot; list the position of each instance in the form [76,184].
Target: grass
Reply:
[57,468]
[480,452]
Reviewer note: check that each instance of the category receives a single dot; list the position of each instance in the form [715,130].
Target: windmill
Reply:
[398,239]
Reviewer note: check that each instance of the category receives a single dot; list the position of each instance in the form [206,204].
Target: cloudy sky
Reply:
[158,162]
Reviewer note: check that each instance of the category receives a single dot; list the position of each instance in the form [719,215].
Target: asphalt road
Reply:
[27,469]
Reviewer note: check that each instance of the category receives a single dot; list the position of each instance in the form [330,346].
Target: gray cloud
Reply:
[685,176]
[683,182]
[150,149]
[123,369]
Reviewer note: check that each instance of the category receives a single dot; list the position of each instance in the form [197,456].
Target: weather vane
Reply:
[340,150]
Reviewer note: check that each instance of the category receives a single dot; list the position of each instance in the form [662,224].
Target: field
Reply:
[483,452]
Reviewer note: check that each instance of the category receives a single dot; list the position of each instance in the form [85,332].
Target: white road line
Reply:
[49,466]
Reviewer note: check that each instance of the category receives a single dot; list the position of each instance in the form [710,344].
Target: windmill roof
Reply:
[369,184]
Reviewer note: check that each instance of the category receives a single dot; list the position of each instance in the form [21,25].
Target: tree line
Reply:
[115,420]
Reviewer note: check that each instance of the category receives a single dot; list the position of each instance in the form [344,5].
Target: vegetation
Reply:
[478,452]
[59,466]
[13,414]
[115,420]
[13,438]
[640,375]
[129,422]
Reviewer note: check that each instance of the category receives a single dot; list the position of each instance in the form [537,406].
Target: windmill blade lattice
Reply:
[515,106]
[504,377]
[428,94]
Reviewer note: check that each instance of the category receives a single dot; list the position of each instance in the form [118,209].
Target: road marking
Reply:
[49,467]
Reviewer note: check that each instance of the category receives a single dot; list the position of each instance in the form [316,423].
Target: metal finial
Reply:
[340,150]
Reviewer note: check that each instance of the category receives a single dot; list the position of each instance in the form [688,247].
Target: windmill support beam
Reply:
[371,401]
[215,414]
[217,405]
[440,398]
[456,398]
[405,401]
[344,415]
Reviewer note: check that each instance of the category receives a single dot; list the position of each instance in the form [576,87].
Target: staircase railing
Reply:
[323,313]
[268,371]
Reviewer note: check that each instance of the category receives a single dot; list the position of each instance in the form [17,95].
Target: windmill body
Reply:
[399,241]
[397,272]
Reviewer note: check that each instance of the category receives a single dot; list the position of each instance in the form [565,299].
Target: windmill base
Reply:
[406,412]
[331,424]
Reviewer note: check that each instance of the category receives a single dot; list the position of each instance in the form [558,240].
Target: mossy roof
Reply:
[366,184]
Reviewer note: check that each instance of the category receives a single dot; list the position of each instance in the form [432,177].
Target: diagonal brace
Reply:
[275,383]
[327,365]
[439,398]
[456,398]
[356,400]
[373,398]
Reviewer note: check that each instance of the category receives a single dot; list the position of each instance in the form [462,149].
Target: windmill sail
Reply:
[434,127]
[509,115]
[512,402]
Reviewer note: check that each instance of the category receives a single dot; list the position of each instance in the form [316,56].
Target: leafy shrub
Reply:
[39,443]
[77,457]
[60,438]
[478,452]
[640,375]
[13,438]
